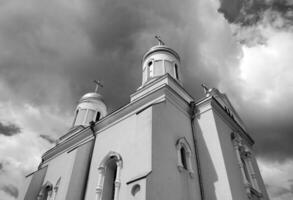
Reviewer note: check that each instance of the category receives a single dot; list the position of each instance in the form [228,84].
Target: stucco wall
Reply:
[61,166]
[24,187]
[214,172]
[79,173]
[233,171]
[166,181]
[131,138]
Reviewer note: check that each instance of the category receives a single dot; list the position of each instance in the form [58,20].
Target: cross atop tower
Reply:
[98,84]
[159,40]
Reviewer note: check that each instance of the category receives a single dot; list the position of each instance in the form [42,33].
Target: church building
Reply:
[162,145]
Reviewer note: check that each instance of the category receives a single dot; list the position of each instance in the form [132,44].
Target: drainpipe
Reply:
[92,127]
[193,113]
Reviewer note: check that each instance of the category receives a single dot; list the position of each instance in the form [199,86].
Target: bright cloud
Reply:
[278,178]
[266,70]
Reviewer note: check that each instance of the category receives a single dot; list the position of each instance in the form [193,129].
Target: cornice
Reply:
[166,92]
[210,103]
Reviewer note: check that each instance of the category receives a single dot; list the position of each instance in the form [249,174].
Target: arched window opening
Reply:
[45,192]
[176,71]
[150,63]
[109,177]
[109,181]
[183,157]
[98,116]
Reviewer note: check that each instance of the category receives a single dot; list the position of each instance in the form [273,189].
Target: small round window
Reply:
[135,189]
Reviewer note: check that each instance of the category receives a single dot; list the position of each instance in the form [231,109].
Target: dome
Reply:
[91,107]
[91,96]
[158,61]
[161,48]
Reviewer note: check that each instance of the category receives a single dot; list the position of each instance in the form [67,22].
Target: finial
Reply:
[206,89]
[159,40]
[98,84]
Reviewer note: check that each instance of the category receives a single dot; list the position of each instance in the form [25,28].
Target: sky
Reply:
[51,51]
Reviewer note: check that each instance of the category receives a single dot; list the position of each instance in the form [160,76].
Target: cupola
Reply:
[91,107]
[158,61]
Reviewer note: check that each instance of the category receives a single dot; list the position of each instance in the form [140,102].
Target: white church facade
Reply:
[162,145]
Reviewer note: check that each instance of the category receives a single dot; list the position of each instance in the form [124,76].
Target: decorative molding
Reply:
[182,143]
[244,156]
[101,174]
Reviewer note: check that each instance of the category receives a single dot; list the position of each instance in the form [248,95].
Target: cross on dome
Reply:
[159,40]
[98,84]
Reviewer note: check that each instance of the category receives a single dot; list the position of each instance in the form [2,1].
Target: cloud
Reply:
[10,189]
[63,45]
[277,176]
[262,82]
[248,13]
[9,129]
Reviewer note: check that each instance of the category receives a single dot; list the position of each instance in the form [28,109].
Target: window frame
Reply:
[182,143]
[102,173]
[243,155]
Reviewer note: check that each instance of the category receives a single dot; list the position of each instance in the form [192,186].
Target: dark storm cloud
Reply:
[247,13]
[9,129]
[10,189]
[63,53]
[120,33]
[48,138]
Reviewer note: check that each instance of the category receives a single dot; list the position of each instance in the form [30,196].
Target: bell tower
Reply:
[91,107]
[158,61]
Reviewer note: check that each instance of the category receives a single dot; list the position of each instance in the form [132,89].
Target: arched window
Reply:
[176,71]
[184,156]
[45,192]
[98,116]
[109,177]
[244,159]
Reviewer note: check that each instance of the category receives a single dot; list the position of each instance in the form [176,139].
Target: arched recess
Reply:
[109,172]
[46,191]
[184,156]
